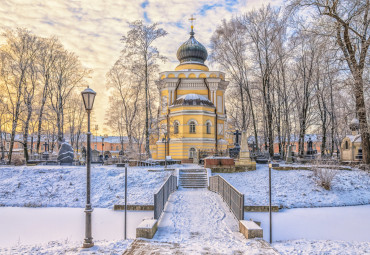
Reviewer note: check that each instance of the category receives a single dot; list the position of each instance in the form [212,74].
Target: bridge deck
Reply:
[196,221]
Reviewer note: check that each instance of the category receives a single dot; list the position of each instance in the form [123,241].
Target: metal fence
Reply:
[161,197]
[233,198]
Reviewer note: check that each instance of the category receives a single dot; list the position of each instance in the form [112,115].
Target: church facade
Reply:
[192,114]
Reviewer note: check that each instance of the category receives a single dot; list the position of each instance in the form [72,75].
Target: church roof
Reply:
[192,99]
[192,51]
[354,138]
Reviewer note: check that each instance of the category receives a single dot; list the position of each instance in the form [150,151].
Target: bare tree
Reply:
[229,49]
[139,44]
[128,88]
[348,21]
[31,83]
[47,57]
[264,27]
[68,74]
[16,56]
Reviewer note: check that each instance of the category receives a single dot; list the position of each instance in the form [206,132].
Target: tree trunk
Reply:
[147,149]
[361,113]
[43,101]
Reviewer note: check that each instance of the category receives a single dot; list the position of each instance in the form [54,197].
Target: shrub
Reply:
[324,173]
[325,177]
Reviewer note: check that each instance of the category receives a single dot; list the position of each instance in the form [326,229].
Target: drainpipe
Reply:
[209,92]
[175,92]
[216,130]
[209,98]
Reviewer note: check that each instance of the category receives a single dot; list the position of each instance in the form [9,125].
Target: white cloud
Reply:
[93,28]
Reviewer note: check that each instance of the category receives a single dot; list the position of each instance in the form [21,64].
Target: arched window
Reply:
[192,152]
[176,128]
[346,145]
[192,127]
[208,126]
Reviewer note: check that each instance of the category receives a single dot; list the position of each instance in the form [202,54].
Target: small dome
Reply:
[192,51]
[192,99]
[354,125]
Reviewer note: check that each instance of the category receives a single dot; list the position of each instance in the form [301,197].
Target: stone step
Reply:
[195,182]
[194,187]
[193,178]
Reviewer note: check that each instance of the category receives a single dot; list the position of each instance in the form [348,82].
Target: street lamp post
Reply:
[165,140]
[102,145]
[88,96]
[271,165]
[96,135]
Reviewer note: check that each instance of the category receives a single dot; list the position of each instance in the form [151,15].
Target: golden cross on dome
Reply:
[192,19]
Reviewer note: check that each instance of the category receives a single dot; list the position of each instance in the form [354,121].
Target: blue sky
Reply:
[93,28]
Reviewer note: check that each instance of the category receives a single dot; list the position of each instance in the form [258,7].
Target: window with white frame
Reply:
[192,127]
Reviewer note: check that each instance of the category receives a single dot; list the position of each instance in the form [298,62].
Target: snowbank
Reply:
[314,247]
[298,188]
[66,247]
[65,186]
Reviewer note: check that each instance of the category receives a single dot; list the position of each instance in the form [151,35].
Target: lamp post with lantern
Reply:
[88,96]
[166,140]
[102,144]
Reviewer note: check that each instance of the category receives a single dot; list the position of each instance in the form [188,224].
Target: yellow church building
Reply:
[192,106]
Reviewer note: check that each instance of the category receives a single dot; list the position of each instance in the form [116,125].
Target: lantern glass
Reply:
[88,96]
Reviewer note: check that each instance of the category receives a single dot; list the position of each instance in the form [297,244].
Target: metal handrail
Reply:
[162,195]
[230,195]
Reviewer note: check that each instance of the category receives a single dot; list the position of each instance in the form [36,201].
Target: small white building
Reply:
[351,147]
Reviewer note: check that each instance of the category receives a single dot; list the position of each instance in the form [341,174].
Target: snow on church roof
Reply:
[192,99]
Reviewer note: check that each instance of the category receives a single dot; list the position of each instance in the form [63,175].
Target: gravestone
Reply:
[237,134]
[45,154]
[289,158]
[244,156]
[310,152]
[65,154]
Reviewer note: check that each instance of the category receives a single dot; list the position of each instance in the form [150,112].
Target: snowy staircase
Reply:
[193,178]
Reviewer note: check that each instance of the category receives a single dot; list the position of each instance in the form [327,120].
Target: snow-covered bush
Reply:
[325,177]
[324,173]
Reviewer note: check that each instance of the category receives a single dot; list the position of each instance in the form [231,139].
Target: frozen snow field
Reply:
[298,188]
[65,186]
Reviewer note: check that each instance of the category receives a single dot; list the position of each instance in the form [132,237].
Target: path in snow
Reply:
[196,221]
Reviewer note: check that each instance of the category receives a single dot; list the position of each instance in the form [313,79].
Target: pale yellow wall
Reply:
[351,153]
[203,92]
[179,150]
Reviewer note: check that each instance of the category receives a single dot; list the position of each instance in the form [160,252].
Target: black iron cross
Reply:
[237,134]
[46,144]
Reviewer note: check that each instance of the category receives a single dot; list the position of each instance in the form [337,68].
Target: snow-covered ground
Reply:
[65,186]
[298,188]
[310,247]
[68,247]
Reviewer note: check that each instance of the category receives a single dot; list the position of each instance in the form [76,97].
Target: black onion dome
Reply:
[192,51]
